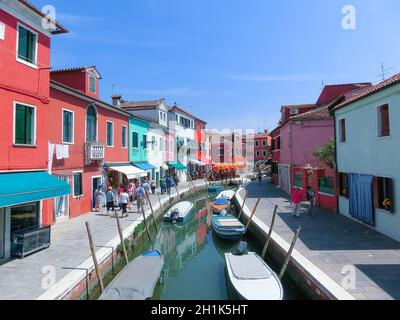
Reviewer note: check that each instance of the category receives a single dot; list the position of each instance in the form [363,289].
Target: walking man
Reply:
[259,176]
[311,200]
[296,200]
[110,199]
[140,196]
[169,183]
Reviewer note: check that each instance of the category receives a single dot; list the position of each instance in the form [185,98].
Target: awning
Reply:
[144,165]
[197,162]
[177,165]
[131,172]
[24,187]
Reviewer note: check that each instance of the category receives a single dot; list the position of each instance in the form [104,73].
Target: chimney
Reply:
[116,100]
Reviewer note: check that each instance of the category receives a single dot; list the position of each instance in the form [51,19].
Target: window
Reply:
[25,217]
[110,134]
[264,143]
[24,125]
[325,185]
[221,152]
[135,140]
[383,121]
[123,132]
[202,146]
[144,141]
[186,123]
[258,154]
[383,194]
[91,124]
[264,153]
[92,84]
[298,180]
[344,185]
[342,130]
[161,144]
[2,30]
[68,126]
[27,45]
[278,143]
[153,143]
[257,143]
[78,191]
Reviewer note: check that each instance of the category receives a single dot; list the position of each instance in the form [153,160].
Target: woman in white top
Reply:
[124,200]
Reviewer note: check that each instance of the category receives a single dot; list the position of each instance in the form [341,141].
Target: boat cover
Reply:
[137,281]
[248,267]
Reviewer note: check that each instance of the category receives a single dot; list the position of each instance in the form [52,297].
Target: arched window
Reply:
[91,124]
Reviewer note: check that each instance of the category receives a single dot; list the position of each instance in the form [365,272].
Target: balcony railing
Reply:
[95,151]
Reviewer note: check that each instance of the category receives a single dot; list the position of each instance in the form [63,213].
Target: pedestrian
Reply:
[176,179]
[163,185]
[98,194]
[124,199]
[296,200]
[110,195]
[259,176]
[140,195]
[147,189]
[169,182]
[311,200]
[131,194]
[153,187]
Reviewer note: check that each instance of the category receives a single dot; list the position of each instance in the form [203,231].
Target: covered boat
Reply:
[252,278]
[228,227]
[227,194]
[179,212]
[137,280]
[220,204]
[216,188]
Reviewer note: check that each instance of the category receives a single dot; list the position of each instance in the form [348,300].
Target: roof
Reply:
[80,94]
[73,69]
[60,28]
[366,92]
[298,106]
[179,109]
[321,113]
[331,92]
[141,104]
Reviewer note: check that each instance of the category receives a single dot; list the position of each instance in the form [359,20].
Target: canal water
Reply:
[194,259]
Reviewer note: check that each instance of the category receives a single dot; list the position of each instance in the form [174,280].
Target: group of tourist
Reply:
[137,190]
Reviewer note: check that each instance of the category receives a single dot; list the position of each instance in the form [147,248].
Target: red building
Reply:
[24,100]
[204,163]
[95,135]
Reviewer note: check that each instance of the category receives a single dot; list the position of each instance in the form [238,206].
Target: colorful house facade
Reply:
[88,139]
[368,159]
[24,100]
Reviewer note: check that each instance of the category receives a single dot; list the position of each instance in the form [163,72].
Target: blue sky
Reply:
[231,62]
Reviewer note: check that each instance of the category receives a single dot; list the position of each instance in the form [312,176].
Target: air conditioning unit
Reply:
[294,111]
[95,152]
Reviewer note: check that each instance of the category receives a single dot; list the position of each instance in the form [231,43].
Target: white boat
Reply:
[252,278]
[179,212]
[227,194]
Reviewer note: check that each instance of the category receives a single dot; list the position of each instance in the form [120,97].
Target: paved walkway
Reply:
[331,242]
[22,279]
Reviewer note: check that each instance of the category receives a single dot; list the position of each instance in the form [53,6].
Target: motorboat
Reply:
[228,227]
[137,280]
[180,212]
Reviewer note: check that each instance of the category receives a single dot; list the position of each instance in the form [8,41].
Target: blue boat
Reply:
[220,204]
[228,227]
[153,253]
[216,189]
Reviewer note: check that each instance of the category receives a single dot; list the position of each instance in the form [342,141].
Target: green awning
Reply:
[25,187]
[177,165]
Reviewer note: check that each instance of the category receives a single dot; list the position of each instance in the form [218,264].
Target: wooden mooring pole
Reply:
[145,224]
[289,255]
[159,201]
[93,251]
[242,207]
[152,211]
[271,227]
[121,237]
[252,214]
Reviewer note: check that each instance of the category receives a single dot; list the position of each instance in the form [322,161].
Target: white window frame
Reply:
[264,143]
[126,137]
[34,124]
[113,135]
[97,123]
[73,126]
[73,185]
[32,65]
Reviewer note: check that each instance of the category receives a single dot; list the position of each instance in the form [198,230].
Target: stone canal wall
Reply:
[303,272]
[82,281]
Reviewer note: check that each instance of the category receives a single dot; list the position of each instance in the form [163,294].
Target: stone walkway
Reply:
[331,242]
[22,279]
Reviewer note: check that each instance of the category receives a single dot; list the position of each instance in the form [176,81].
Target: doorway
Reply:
[61,204]
[96,182]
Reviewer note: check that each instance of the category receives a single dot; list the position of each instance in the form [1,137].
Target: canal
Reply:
[194,259]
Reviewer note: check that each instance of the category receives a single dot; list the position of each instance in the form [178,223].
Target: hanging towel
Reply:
[59,152]
[65,151]
[51,154]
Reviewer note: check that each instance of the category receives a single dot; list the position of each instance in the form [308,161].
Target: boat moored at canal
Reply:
[228,227]
[179,212]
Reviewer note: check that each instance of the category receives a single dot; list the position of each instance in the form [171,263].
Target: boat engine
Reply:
[173,218]
[241,249]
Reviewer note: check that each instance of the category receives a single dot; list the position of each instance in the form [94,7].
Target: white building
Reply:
[368,156]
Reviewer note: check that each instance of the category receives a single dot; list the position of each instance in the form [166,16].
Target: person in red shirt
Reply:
[297,197]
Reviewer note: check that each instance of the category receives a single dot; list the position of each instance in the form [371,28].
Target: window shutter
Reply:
[375,185]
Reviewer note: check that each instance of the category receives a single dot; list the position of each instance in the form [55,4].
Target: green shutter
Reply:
[24,125]
[123,137]
[92,84]
[78,185]
[27,42]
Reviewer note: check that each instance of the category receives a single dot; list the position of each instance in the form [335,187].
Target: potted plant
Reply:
[387,205]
